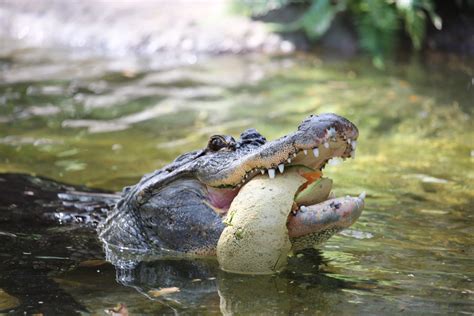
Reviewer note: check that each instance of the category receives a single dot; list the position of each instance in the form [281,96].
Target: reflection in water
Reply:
[199,280]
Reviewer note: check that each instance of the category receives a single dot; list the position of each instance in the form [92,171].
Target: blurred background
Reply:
[98,93]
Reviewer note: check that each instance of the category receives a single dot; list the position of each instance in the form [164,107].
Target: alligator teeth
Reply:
[334,161]
[354,144]
[262,171]
[281,167]
[289,160]
[303,208]
[271,173]
[360,200]
[326,145]
[353,154]
[331,195]
[294,155]
[349,141]
[305,152]
[316,152]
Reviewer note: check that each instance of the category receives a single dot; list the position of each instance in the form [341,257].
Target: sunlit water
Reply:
[104,123]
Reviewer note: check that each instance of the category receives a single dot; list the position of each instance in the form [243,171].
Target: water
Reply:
[103,123]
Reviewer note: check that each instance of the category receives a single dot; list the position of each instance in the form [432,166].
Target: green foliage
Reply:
[322,11]
[377,25]
[414,15]
[377,21]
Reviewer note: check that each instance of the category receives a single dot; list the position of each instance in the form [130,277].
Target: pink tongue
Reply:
[221,198]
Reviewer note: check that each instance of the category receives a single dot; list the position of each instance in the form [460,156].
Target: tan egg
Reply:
[256,239]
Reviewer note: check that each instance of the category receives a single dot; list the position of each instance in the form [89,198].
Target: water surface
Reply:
[103,123]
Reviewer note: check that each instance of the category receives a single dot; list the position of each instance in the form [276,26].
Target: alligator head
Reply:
[181,207]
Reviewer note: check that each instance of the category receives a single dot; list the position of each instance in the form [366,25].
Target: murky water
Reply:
[103,123]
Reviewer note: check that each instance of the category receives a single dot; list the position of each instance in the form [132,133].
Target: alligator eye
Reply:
[218,142]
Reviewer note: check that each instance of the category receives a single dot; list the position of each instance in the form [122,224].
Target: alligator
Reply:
[181,208]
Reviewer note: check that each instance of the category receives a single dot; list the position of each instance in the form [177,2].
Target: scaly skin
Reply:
[181,207]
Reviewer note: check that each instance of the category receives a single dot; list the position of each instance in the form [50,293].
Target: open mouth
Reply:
[316,213]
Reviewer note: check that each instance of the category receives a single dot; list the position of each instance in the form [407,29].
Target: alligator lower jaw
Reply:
[315,215]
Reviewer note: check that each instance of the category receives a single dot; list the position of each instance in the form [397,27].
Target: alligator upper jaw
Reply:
[313,159]
[318,137]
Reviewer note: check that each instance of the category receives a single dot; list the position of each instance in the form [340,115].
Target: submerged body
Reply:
[182,207]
